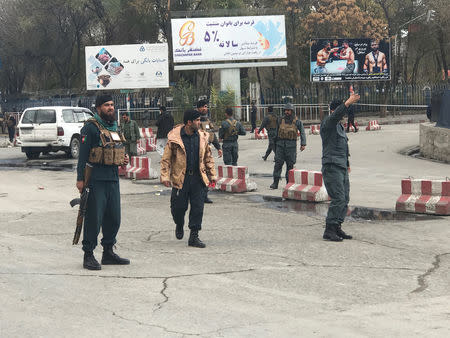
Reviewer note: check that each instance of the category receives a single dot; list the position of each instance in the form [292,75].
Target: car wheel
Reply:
[74,147]
[32,155]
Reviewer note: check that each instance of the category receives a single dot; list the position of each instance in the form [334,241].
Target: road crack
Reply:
[421,279]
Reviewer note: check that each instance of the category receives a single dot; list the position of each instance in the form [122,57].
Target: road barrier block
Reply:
[146,132]
[141,147]
[351,127]
[314,129]
[123,170]
[234,179]
[373,125]
[140,168]
[424,196]
[150,143]
[305,185]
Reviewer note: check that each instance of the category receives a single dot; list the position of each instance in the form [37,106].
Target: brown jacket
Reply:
[173,162]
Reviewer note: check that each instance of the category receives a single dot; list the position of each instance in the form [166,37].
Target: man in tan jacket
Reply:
[188,166]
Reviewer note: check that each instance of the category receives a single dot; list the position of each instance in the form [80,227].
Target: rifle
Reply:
[82,201]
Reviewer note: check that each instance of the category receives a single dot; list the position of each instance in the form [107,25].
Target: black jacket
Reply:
[164,124]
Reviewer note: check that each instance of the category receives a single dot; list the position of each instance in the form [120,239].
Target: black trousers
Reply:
[193,193]
[11,132]
[103,211]
[271,147]
[351,121]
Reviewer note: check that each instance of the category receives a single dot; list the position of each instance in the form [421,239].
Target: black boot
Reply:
[194,240]
[274,185]
[89,261]
[330,233]
[207,199]
[264,158]
[341,233]
[111,258]
[179,231]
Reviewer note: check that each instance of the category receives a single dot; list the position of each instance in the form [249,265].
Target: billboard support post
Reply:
[230,78]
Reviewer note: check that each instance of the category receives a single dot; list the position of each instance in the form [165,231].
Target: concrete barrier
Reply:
[351,127]
[373,125]
[305,185]
[141,147]
[424,196]
[123,170]
[314,129]
[260,135]
[150,143]
[146,132]
[140,168]
[234,179]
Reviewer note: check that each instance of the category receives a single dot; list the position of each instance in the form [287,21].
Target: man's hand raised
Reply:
[352,99]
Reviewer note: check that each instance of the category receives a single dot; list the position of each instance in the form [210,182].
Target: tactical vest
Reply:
[272,121]
[111,151]
[209,128]
[287,131]
[231,130]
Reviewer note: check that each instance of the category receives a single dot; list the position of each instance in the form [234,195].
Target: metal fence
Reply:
[373,96]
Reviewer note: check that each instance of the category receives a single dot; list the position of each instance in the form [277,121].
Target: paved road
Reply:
[265,271]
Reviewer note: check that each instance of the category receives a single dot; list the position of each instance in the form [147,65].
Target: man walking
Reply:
[11,123]
[286,143]
[188,166]
[101,147]
[270,123]
[208,126]
[132,134]
[335,167]
[253,113]
[164,124]
[228,132]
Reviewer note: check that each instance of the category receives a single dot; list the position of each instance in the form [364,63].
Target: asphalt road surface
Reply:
[266,272]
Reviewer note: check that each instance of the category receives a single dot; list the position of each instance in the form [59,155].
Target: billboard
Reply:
[127,66]
[228,38]
[350,60]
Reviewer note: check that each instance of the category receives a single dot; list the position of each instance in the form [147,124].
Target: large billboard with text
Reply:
[350,60]
[228,38]
[127,66]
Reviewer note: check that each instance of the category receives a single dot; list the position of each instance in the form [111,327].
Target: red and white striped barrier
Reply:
[234,179]
[305,185]
[146,132]
[260,135]
[123,170]
[424,196]
[314,129]
[140,168]
[141,147]
[150,143]
[351,127]
[148,139]
[373,125]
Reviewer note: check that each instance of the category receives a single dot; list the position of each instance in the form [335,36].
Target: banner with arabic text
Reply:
[228,38]
[127,66]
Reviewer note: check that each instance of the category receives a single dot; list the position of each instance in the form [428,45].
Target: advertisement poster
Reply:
[228,38]
[127,66]
[350,60]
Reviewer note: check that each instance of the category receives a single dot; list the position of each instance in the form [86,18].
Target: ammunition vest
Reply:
[111,151]
[287,131]
[208,126]
[231,130]
[272,121]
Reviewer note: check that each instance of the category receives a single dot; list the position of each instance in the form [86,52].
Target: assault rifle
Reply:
[82,201]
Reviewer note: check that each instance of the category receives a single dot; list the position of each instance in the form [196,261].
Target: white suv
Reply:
[46,129]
